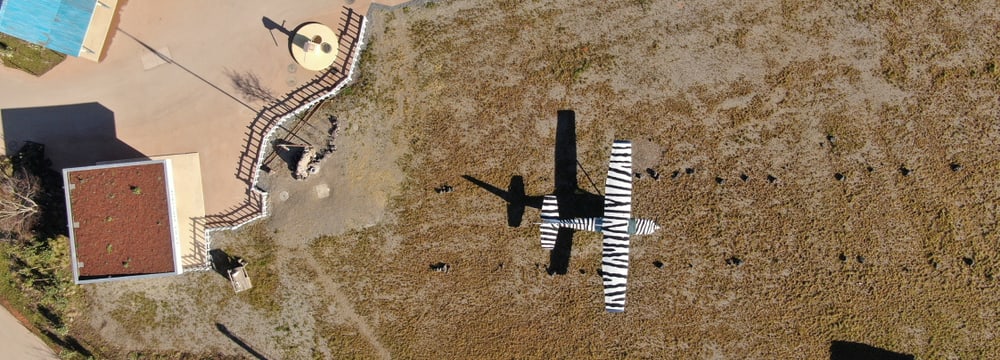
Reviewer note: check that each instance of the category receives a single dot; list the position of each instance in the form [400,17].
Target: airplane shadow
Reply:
[573,201]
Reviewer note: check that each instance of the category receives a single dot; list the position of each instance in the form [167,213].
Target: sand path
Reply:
[18,343]
[344,309]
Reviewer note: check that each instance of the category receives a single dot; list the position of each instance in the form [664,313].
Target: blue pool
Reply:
[59,25]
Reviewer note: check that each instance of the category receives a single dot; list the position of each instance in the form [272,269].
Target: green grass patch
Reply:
[33,59]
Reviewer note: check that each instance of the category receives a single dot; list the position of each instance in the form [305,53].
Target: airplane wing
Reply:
[550,222]
[617,210]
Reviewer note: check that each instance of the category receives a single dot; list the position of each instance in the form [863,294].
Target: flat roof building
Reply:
[72,27]
[135,219]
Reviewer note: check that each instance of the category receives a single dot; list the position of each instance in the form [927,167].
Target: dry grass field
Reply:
[844,152]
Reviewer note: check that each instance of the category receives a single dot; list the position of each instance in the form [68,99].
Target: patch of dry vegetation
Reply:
[260,247]
[802,93]
[856,142]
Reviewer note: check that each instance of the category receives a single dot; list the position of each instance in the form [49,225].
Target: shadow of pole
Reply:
[169,60]
[847,350]
[238,341]
[270,25]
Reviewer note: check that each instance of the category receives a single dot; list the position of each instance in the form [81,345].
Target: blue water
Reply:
[59,25]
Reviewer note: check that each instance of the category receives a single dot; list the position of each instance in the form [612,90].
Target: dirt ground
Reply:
[867,214]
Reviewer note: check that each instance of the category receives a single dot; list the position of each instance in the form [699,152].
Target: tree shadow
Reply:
[52,317]
[240,342]
[73,135]
[847,350]
[249,86]
[573,201]
[69,343]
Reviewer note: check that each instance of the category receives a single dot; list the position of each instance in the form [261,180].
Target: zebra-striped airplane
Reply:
[616,225]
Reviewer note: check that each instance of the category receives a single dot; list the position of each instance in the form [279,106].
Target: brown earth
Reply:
[898,252]
[124,221]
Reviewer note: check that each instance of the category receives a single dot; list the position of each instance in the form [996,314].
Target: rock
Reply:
[440,267]
[653,174]
[302,168]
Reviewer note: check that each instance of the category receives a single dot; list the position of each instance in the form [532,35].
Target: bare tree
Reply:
[18,208]
[248,84]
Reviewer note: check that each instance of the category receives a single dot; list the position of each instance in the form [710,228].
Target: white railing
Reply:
[355,55]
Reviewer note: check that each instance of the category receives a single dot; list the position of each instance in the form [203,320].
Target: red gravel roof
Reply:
[121,219]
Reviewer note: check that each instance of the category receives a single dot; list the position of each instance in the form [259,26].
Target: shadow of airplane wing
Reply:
[514,196]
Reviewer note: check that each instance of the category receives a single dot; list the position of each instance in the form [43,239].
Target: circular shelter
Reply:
[314,46]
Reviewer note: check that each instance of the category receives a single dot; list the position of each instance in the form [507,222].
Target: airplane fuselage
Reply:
[635,226]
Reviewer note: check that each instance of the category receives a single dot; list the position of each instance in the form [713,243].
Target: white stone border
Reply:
[270,134]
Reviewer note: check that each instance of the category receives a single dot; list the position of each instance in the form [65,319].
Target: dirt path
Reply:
[18,342]
[344,308]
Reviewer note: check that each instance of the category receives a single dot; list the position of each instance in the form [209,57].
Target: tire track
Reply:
[346,310]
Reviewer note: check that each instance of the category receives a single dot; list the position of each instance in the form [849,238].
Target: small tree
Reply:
[18,191]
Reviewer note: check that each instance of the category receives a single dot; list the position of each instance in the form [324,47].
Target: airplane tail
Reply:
[549,227]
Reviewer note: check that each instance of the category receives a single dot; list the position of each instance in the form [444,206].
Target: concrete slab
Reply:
[322,191]
[97,32]
[153,58]
[189,201]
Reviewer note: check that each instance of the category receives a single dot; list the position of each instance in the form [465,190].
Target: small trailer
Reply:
[238,276]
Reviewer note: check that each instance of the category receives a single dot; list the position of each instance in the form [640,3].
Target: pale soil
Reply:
[18,343]
[904,263]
